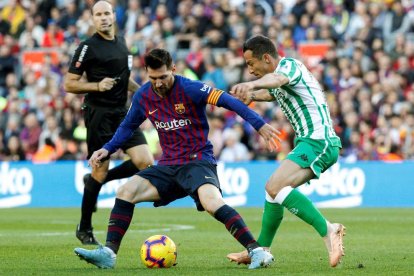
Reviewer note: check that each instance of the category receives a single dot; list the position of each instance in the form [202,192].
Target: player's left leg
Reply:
[212,201]
[137,189]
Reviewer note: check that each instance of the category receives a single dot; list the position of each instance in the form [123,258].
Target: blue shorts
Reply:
[178,181]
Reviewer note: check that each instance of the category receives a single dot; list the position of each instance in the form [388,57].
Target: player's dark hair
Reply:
[157,58]
[260,45]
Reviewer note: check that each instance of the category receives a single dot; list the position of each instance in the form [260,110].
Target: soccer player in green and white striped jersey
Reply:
[317,147]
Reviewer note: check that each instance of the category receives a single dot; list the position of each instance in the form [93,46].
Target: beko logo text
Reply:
[234,184]
[15,185]
[341,187]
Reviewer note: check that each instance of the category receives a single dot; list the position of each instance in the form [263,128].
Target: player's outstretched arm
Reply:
[256,90]
[97,156]
[248,96]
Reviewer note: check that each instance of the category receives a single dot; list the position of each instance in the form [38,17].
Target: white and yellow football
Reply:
[158,251]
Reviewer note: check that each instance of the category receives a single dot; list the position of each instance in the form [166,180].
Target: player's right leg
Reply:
[334,243]
[137,189]
[271,219]
[212,201]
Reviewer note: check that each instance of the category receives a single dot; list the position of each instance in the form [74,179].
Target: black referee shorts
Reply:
[178,181]
[101,124]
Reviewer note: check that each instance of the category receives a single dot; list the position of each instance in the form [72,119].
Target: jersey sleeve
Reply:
[214,96]
[80,59]
[131,122]
[289,69]
[202,92]
[197,90]
[223,99]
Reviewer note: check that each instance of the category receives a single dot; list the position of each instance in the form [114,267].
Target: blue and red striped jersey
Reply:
[180,119]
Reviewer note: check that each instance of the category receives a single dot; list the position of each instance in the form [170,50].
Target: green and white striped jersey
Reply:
[303,102]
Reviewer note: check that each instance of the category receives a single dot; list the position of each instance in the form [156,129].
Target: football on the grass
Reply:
[158,251]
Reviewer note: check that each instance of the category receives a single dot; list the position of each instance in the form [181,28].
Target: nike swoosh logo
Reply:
[207,177]
[151,112]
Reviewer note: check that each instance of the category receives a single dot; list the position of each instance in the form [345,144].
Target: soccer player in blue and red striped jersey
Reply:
[176,106]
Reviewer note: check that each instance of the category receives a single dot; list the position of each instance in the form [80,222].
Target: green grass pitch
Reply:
[41,242]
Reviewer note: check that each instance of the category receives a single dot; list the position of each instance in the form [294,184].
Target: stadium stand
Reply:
[361,51]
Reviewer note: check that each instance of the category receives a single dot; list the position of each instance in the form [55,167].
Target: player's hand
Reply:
[97,156]
[106,84]
[243,92]
[271,136]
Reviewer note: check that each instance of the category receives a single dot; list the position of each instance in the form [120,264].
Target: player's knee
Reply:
[271,192]
[212,205]
[128,190]
[123,192]
[273,188]
[209,209]
[99,176]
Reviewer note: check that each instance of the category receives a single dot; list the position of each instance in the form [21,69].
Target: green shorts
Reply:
[318,155]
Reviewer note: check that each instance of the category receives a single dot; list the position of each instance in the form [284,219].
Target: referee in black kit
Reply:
[106,63]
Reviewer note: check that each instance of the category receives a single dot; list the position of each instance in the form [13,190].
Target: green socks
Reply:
[299,205]
[272,217]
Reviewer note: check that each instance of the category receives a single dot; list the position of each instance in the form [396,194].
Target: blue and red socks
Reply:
[119,222]
[236,226]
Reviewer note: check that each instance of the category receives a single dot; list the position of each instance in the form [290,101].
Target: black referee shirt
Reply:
[100,58]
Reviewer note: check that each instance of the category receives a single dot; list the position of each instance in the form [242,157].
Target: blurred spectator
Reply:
[50,131]
[356,20]
[30,134]
[233,150]
[54,36]
[217,32]
[8,65]
[215,135]
[195,57]
[214,73]
[4,27]
[46,153]
[14,150]
[13,13]
[183,70]
[31,30]
[69,15]
[299,32]
[84,24]
[396,21]
[68,150]
[131,17]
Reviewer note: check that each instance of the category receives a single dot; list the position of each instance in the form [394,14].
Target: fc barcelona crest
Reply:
[179,108]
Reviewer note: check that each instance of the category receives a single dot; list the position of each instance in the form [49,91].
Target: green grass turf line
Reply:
[41,242]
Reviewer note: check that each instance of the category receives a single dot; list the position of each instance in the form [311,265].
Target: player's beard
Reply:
[162,91]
